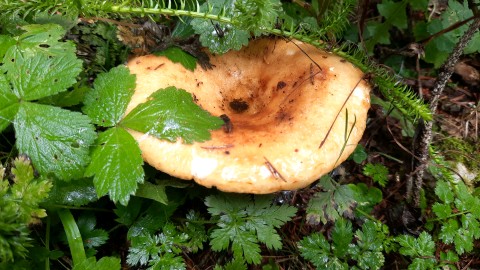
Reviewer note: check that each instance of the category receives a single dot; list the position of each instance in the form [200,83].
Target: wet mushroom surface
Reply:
[292,113]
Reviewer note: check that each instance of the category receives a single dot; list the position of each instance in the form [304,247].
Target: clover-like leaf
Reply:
[8,103]
[177,55]
[169,114]
[56,140]
[108,100]
[116,165]
[217,36]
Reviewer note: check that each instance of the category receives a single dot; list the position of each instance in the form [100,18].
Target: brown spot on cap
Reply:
[238,105]
[281,84]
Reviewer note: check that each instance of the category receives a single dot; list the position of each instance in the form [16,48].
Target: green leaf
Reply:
[359,155]
[331,204]
[91,236]
[41,75]
[5,43]
[220,37]
[151,191]
[112,91]
[19,208]
[245,222]
[376,33]
[342,236]
[8,103]
[68,98]
[394,13]
[195,229]
[370,245]
[152,219]
[448,231]
[74,237]
[417,247]
[158,251]
[257,15]
[464,237]
[76,192]
[316,249]
[116,165]
[442,211]
[169,114]
[378,172]
[177,55]
[55,139]
[105,263]
[365,197]
[444,192]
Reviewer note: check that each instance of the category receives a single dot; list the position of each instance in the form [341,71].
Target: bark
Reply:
[425,128]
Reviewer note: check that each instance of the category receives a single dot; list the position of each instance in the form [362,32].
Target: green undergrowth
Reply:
[75,193]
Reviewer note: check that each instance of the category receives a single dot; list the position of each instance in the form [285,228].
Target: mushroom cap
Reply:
[280,101]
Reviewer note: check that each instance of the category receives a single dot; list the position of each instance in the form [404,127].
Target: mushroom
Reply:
[292,113]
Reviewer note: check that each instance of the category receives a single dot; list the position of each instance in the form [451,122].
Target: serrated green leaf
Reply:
[316,249]
[330,205]
[376,33]
[177,55]
[359,155]
[8,103]
[464,237]
[158,251]
[342,236]
[40,75]
[28,190]
[255,16]
[421,246]
[55,139]
[448,231]
[217,36]
[365,197]
[245,246]
[444,192]
[169,114]
[442,210]
[76,192]
[378,172]
[5,43]
[68,98]
[153,192]
[116,165]
[112,91]
[371,236]
[245,222]
[195,229]
[91,236]
[394,13]
[105,263]
[422,263]
[152,219]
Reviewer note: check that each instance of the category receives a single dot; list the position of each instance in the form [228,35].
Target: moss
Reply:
[457,150]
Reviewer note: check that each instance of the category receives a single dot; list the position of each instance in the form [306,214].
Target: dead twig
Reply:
[415,181]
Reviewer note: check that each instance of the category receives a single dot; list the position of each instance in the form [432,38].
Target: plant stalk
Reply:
[422,145]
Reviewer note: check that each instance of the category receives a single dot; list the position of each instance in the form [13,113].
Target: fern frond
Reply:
[399,95]
[336,18]
[31,8]
[256,16]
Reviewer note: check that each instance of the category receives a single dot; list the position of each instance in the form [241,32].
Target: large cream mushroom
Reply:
[287,114]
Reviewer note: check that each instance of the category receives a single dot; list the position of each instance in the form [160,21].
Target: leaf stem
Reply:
[74,238]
